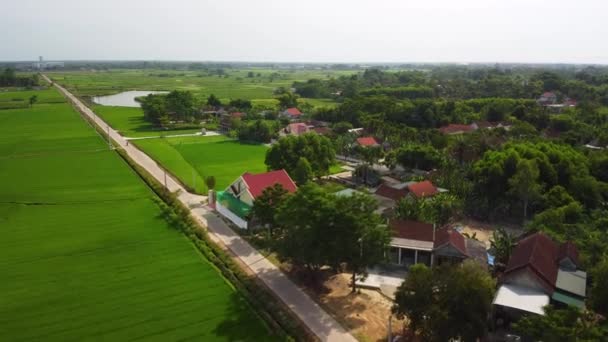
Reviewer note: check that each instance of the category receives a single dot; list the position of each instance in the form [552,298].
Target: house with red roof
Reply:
[416,242]
[297,128]
[547,98]
[457,129]
[367,142]
[236,201]
[540,272]
[292,113]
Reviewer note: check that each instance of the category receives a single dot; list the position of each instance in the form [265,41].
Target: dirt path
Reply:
[310,313]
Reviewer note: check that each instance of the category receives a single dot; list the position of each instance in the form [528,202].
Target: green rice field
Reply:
[192,159]
[85,253]
[129,121]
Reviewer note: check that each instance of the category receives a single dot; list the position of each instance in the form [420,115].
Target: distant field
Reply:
[236,83]
[84,254]
[192,159]
[20,99]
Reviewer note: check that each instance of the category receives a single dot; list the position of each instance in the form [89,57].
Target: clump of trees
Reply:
[567,324]
[314,228]
[316,149]
[257,131]
[9,78]
[446,303]
[177,106]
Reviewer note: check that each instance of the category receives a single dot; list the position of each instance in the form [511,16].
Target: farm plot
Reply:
[191,159]
[85,253]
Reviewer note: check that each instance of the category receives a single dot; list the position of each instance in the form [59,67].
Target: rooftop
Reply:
[423,189]
[257,183]
[367,141]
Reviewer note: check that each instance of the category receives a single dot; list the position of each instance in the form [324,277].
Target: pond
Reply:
[124,99]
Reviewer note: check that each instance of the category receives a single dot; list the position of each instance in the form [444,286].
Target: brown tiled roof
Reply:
[537,253]
[568,250]
[385,190]
[367,141]
[449,236]
[412,230]
[456,128]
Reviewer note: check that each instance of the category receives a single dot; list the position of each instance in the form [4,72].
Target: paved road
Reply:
[318,321]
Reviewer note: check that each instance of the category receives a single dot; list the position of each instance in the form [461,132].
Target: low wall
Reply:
[230,216]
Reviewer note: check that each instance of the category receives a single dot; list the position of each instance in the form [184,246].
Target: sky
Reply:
[334,31]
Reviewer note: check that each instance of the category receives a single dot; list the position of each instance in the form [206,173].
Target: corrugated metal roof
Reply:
[574,282]
[521,298]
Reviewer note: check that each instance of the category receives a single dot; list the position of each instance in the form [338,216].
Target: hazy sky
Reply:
[307,30]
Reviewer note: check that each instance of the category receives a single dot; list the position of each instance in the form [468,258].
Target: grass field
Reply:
[129,121]
[84,253]
[235,84]
[192,159]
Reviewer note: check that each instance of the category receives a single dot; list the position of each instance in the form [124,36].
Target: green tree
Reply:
[287,100]
[265,206]
[448,303]
[33,99]
[599,292]
[569,324]
[502,243]
[415,299]
[286,153]
[213,101]
[524,184]
[210,182]
[303,172]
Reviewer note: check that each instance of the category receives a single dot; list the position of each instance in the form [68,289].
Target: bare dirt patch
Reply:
[365,314]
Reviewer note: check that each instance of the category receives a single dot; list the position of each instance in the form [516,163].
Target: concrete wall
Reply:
[239,222]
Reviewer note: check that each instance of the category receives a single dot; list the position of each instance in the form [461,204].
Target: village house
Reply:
[416,242]
[367,142]
[540,272]
[297,128]
[236,201]
[491,125]
[547,98]
[389,193]
[292,113]
[452,129]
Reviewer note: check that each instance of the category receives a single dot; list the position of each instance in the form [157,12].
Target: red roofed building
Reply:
[236,201]
[457,129]
[292,113]
[297,128]
[418,242]
[545,269]
[367,142]
[423,189]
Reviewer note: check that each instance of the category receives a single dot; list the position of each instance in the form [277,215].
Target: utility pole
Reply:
[390,329]
[109,139]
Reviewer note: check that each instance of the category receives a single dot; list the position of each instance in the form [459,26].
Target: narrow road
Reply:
[314,317]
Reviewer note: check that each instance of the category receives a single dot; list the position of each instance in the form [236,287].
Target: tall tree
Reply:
[266,205]
[525,183]
[213,101]
[286,153]
[599,291]
[303,172]
[414,299]
[33,99]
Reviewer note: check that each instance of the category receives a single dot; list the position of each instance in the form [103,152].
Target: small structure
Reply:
[367,142]
[547,98]
[236,201]
[292,113]
[452,129]
[226,120]
[540,271]
[297,128]
[389,193]
[416,242]
[491,125]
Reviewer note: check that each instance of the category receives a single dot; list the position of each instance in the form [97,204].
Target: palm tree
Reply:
[502,243]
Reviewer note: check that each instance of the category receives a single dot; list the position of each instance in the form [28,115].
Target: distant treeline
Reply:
[8,78]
